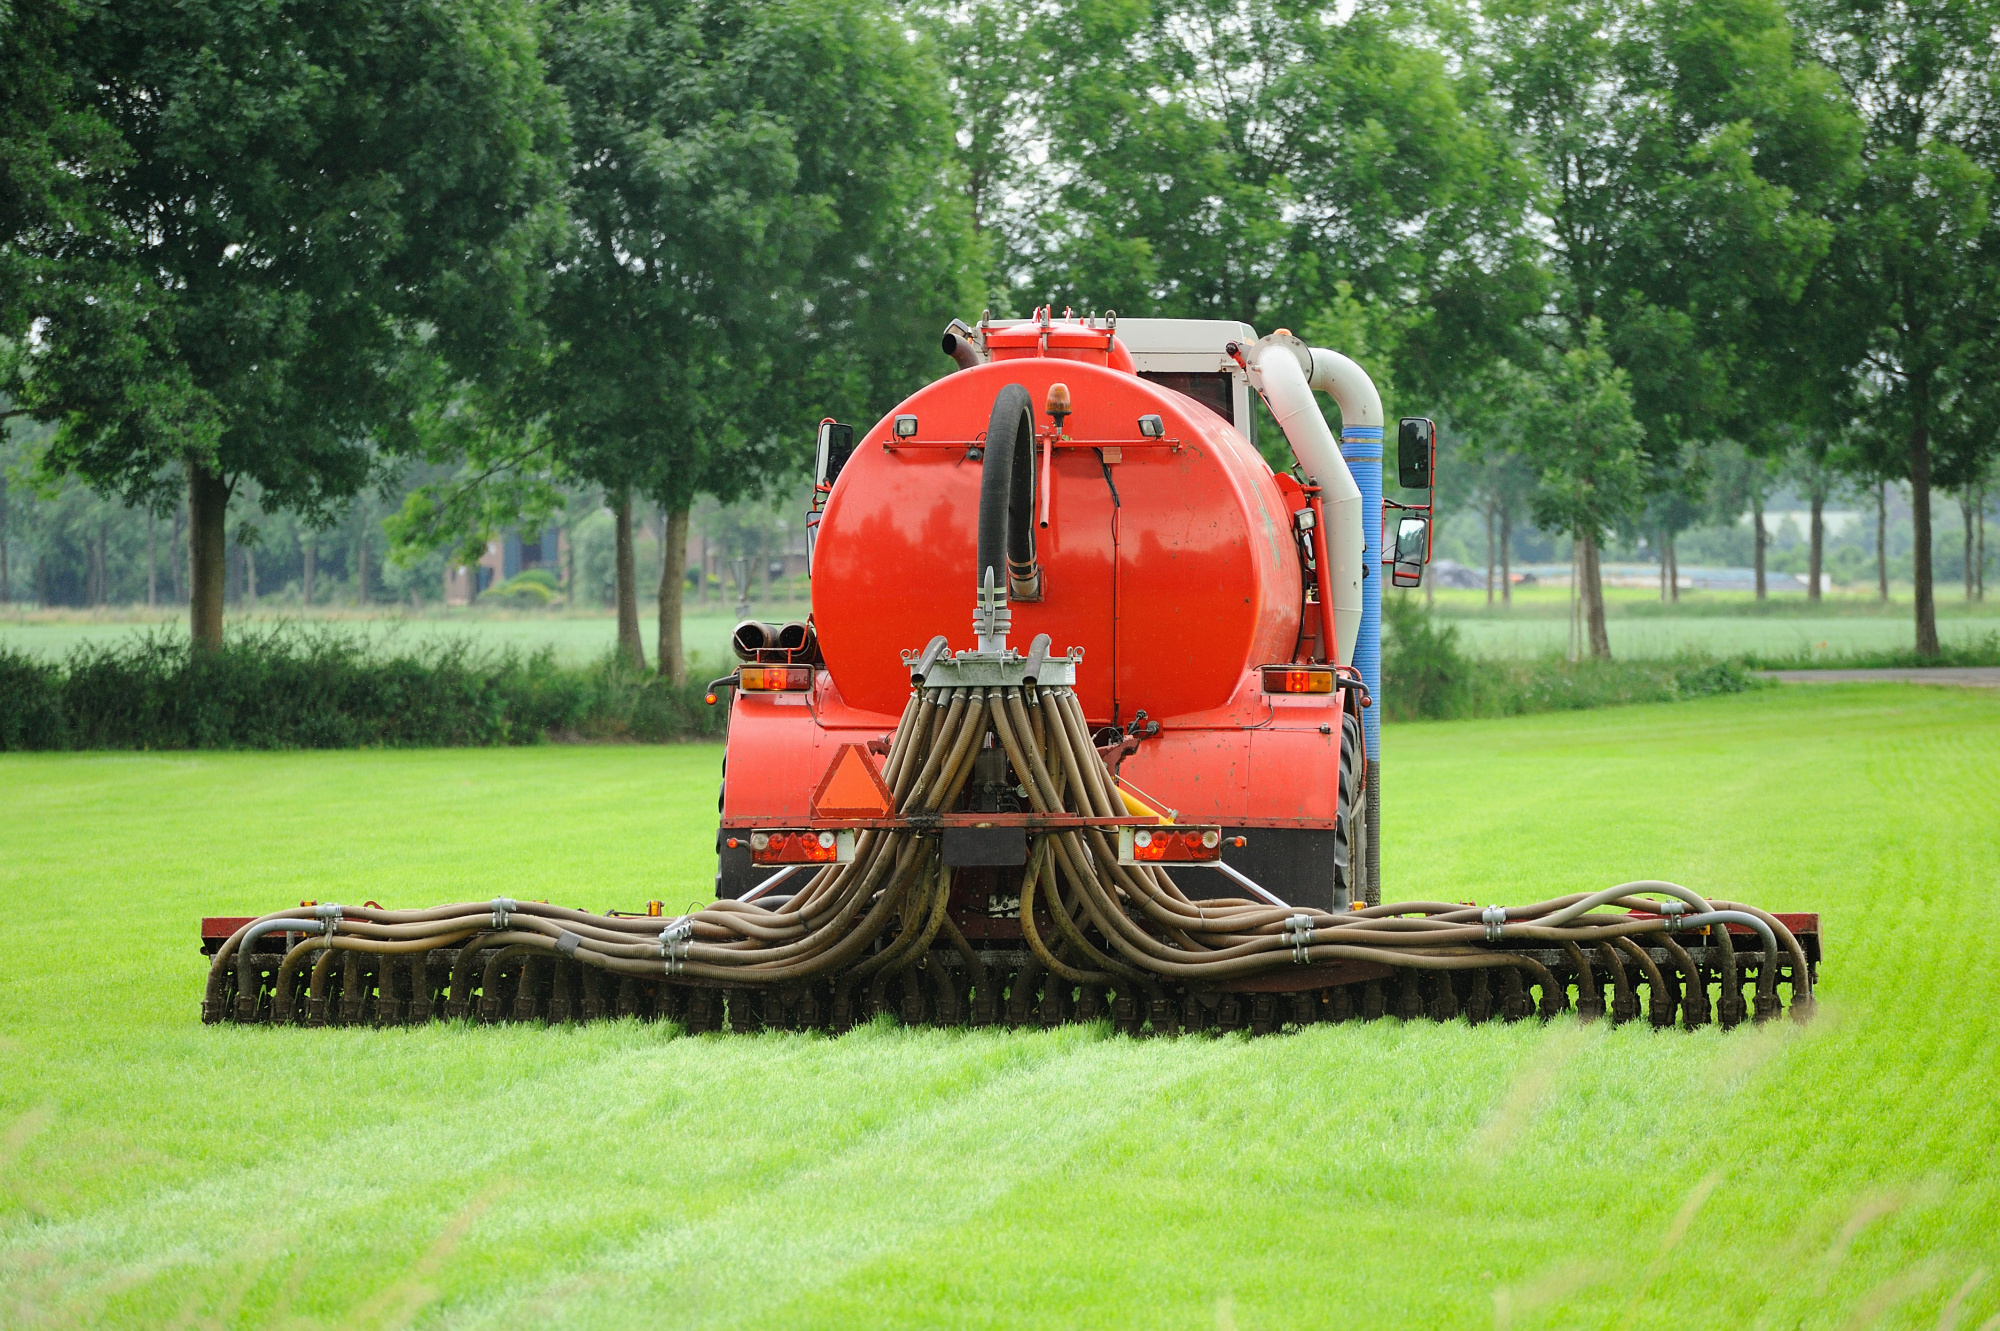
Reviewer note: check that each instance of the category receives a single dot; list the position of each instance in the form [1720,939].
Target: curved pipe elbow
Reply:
[1290,398]
[958,344]
[1349,385]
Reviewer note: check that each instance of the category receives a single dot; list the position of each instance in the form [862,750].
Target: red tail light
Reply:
[1169,845]
[775,679]
[793,847]
[1297,679]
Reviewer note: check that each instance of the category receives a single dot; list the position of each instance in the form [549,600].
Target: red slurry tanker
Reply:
[1083,724]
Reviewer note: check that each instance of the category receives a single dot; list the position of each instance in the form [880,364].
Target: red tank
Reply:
[1167,553]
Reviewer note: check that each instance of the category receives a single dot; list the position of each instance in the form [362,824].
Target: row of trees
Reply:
[1636,251]
[292,247]
[642,244]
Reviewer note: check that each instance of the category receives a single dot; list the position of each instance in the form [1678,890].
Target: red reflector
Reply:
[775,679]
[797,847]
[1297,679]
[1172,845]
[851,788]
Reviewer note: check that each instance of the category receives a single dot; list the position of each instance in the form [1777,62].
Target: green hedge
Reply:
[293,688]
[1425,676]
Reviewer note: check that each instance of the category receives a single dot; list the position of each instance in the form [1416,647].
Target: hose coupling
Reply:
[503,907]
[1493,917]
[1674,911]
[675,940]
[327,911]
[566,943]
[1299,933]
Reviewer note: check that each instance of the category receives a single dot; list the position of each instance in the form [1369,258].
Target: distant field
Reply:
[155,1172]
[1713,623]
[574,638]
[1708,623]
[1731,635]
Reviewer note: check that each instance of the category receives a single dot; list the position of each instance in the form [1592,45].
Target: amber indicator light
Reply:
[1297,679]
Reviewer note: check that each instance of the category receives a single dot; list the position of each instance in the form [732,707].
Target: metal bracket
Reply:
[1299,933]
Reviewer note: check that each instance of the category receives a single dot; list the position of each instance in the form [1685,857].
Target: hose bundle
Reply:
[1097,937]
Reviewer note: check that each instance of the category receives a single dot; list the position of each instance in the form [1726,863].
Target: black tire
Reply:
[1349,849]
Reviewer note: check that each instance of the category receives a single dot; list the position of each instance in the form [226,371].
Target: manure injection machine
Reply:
[1083,725]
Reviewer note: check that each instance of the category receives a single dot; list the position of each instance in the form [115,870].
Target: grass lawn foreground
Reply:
[155,1172]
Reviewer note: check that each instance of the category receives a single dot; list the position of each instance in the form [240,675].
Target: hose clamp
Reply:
[1299,933]
[1674,910]
[503,907]
[1493,917]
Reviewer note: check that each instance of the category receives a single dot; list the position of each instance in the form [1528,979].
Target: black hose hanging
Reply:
[1007,498]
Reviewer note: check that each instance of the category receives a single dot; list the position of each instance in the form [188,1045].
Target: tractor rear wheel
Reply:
[1350,852]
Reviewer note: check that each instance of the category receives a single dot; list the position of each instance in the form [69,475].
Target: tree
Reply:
[763,226]
[1671,510]
[1577,429]
[1813,467]
[1260,160]
[1743,478]
[1916,253]
[309,212]
[1680,145]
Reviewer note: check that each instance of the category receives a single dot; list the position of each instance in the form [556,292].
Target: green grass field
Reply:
[155,1172]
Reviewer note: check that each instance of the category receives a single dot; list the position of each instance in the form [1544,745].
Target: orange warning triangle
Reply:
[851,788]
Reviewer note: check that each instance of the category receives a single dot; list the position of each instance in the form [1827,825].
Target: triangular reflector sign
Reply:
[852,788]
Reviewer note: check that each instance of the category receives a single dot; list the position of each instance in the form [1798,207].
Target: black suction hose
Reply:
[1007,495]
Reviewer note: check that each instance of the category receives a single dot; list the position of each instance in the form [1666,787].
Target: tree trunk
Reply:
[208,568]
[101,589]
[1489,555]
[152,564]
[1673,569]
[1506,558]
[673,592]
[1757,520]
[177,555]
[1818,560]
[1593,598]
[1978,516]
[627,583]
[566,543]
[361,561]
[309,552]
[1882,539]
[6,575]
[1965,516]
[1920,521]
[250,576]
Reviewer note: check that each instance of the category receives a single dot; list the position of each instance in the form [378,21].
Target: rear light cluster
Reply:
[787,847]
[1298,679]
[775,679]
[1169,845]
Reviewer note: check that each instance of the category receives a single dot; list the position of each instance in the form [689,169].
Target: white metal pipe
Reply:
[1281,378]
[1361,445]
[1349,385]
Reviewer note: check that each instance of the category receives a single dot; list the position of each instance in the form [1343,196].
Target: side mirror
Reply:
[1413,551]
[836,445]
[1416,452]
